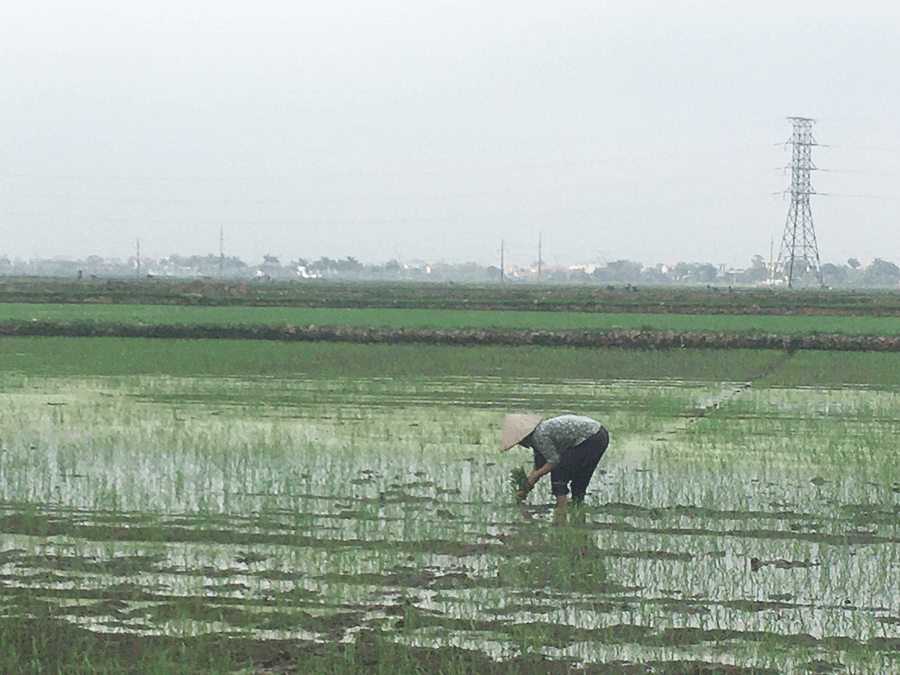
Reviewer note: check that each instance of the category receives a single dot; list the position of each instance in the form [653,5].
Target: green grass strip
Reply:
[447,319]
[59,356]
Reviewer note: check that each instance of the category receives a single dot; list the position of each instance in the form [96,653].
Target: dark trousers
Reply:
[576,465]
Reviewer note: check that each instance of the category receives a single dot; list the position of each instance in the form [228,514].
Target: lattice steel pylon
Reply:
[799,252]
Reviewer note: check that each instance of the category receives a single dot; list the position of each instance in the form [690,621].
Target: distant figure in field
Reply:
[568,447]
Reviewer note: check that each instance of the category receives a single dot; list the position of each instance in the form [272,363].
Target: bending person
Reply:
[568,447]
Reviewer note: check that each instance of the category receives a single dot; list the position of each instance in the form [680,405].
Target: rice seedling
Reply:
[344,521]
[518,479]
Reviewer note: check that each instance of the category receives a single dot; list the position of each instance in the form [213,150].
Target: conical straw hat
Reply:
[516,427]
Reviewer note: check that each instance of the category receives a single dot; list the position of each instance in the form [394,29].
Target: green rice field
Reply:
[447,318]
[245,507]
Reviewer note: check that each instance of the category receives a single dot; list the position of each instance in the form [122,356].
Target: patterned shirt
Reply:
[556,435]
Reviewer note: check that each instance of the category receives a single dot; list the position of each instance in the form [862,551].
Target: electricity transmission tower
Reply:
[799,253]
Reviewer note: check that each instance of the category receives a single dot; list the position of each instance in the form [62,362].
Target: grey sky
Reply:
[651,131]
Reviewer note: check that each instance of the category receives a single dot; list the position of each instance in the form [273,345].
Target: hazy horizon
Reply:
[652,131]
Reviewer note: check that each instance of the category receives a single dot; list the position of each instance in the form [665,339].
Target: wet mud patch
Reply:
[410,578]
[60,647]
[113,566]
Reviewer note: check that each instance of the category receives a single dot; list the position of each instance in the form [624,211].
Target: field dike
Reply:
[646,339]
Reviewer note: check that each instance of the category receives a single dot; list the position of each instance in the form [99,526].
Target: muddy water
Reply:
[730,524]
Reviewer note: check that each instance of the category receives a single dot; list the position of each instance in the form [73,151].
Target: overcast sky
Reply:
[648,131]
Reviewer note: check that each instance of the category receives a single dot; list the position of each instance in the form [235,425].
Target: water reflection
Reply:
[312,510]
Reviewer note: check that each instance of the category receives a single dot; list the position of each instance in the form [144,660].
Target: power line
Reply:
[587,186]
[851,196]
[864,172]
[665,206]
[507,168]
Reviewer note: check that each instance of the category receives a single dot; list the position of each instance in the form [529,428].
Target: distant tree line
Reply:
[876,274]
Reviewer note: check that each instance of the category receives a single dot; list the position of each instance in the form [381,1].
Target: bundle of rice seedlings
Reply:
[518,479]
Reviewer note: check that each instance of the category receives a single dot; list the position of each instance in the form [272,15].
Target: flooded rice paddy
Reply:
[731,524]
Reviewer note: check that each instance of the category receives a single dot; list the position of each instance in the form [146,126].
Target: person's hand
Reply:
[522,494]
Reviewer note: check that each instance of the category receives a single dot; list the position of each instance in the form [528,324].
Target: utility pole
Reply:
[540,260]
[221,248]
[502,247]
[137,259]
[799,253]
